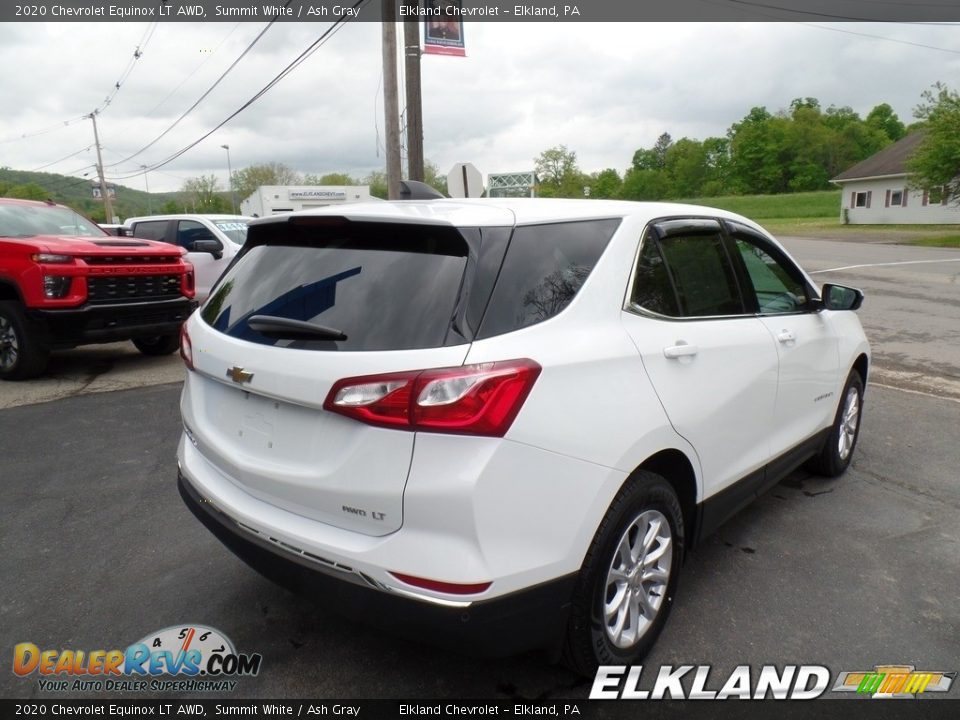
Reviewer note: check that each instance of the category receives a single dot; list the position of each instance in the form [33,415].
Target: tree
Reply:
[203,195]
[936,161]
[653,158]
[433,177]
[558,173]
[246,181]
[645,184]
[329,179]
[884,119]
[28,191]
[686,166]
[377,180]
[758,157]
[605,184]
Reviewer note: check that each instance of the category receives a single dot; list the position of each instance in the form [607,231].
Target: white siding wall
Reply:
[913,212]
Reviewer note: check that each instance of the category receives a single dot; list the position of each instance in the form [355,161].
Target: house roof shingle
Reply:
[892,160]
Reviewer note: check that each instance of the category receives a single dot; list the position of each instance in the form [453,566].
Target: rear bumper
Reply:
[110,323]
[507,625]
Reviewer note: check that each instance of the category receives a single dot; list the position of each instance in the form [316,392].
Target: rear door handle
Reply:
[681,349]
[785,336]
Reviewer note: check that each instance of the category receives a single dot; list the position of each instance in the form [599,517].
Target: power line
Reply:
[194,71]
[313,47]
[836,17]
[137,53]
[830,16]
[50,129]
[202,97]
[145,38]
[65,157]
[823,14]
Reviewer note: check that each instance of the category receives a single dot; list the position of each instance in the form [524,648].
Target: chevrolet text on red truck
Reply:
[64,282]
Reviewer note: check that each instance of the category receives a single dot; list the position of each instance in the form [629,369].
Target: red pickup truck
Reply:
[64,282]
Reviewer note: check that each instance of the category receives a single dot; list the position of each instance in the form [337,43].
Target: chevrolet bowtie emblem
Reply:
[239,375]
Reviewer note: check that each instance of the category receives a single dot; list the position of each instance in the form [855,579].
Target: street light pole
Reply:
[147,183]
[233,198]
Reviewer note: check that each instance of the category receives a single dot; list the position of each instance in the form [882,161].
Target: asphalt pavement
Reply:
[101,551]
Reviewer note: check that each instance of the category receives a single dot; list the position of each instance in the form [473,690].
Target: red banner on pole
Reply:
[443,28]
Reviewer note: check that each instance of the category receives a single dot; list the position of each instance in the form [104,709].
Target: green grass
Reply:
[947,241]
[821,205]
[817,214]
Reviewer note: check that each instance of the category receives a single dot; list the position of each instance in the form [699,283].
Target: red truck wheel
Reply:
[22,355]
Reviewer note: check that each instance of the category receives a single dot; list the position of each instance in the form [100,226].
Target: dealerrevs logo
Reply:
[188,651]
[793,682]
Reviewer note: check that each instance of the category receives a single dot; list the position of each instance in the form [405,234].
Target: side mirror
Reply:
[207,246]
[841,297]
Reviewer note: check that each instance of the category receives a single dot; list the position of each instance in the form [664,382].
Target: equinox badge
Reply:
[239,375]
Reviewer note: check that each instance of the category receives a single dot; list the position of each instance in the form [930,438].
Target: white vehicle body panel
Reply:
[522,509]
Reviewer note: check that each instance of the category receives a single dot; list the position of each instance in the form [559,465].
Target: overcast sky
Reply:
[601,90]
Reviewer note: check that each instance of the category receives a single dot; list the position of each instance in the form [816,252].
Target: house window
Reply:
[896,198]
[935,195]
[861,199]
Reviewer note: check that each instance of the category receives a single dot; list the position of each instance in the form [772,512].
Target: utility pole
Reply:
[391,103]
[411,42]
[147,183]
[107,203]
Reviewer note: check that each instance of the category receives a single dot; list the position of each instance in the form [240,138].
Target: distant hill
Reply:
[76,193]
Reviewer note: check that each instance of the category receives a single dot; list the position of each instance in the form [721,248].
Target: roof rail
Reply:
[414,190]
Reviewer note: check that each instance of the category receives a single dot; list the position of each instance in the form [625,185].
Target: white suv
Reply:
[503,422]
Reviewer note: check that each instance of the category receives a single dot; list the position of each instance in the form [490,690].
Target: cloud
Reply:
[601,90]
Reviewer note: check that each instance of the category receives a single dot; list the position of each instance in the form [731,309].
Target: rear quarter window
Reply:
[544,268]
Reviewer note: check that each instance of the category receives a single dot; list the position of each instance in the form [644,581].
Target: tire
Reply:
[837,451]
[158,344]
[23,354]
[603,630]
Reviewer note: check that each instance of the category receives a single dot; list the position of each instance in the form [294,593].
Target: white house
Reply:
[876,191]
[272,199]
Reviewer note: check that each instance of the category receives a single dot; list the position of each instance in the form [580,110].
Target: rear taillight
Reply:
[471,400]
[186,347]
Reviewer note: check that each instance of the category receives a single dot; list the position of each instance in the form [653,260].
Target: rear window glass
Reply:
[544,268]
[386,287]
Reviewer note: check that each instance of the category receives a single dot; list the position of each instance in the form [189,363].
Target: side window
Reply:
[544,268]
[702,275]
[652,289]
[777,287]
[189,231]
[150,230]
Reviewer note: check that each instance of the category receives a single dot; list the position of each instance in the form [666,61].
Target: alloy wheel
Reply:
[848,423]
[637,579]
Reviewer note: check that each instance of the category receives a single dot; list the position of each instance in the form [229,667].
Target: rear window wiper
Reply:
[281,328]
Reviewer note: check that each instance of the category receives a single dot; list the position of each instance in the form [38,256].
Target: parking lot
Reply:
[99,550]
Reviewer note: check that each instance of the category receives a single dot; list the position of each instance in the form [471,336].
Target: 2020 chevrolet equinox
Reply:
[503,422]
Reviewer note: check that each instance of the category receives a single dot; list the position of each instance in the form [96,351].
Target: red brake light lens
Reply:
[479,399]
